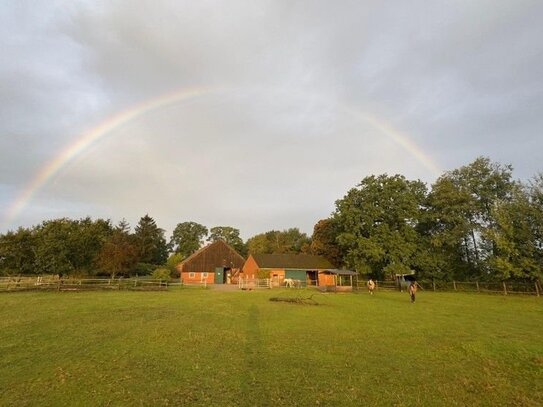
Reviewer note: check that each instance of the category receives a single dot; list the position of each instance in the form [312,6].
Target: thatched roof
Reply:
[208,258]
[292,261]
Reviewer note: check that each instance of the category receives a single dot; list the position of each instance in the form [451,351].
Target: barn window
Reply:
[191,275]
[204,275]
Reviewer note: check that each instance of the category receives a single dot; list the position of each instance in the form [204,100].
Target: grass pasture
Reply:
[214,348]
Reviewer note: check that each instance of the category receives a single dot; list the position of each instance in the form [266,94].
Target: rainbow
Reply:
[86,140]
[405,142]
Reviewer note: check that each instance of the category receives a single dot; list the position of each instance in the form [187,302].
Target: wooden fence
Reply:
[253,283]
[74,284]
[504,287]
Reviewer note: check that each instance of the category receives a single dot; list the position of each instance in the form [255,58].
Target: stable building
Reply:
[307,269]
[216,263]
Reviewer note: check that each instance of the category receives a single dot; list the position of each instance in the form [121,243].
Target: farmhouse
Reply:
[216,263]
[304,268]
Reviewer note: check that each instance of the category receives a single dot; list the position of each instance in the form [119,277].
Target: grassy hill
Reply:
[206,347]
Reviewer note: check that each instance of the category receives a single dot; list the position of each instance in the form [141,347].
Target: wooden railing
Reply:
[501,287]
[75,284]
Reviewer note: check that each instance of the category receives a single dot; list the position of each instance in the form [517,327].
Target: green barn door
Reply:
[219,275]
[296,275]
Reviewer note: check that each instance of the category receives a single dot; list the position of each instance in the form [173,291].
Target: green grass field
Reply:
[213,348]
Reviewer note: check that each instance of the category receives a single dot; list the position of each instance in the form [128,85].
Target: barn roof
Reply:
[341,272]
[292,261]
[208,258]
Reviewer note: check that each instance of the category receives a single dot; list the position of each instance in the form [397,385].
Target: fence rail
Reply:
[253,283]
[73,284]
[505,288]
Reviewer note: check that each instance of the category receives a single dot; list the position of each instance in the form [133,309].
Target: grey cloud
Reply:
[286,135]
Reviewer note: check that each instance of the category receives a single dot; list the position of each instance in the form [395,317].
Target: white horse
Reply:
[290,282]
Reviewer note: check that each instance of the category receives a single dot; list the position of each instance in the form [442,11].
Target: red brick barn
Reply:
[308,269]
[216,263]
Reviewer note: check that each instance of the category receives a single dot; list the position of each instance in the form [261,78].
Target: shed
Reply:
[216,263]
[340,280]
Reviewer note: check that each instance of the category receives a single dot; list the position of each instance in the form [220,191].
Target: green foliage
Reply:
[188,237]
[461,213]
[258,244]
[150,242]
[474,223]
[447,223]
[81,247]
[514,235]
[274,241]
[17,254]
[118,255]
[377,223]
[66,247]
[230,235]
[53,251]
[143,269]
[397,268]
[172,263]
[161,273]
[324,241]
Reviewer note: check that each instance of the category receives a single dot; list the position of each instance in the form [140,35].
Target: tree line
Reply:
[87,247]
[473,223]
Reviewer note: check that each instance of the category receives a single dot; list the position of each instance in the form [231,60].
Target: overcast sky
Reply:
[296,102]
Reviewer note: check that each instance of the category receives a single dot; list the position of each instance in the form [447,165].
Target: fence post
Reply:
[454,285]
[504,288]
[434,284]
[477,283]
[536,289]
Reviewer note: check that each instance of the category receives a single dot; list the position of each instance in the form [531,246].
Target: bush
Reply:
[172,263]
[161,274]
[144,269]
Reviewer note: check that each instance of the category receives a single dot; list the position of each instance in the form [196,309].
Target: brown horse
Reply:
[371,286]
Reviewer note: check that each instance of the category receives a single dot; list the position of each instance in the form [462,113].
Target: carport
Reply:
[337,280]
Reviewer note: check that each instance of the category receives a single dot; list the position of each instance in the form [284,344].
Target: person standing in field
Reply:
[371,286]
[413,290]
